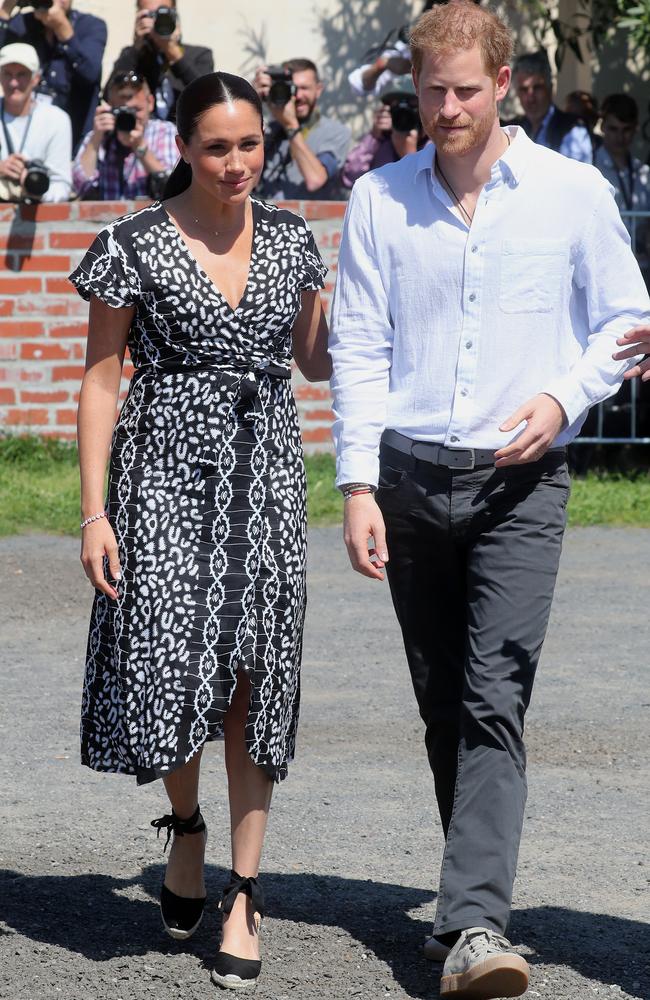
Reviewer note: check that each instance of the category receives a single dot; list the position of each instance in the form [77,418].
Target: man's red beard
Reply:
[473,133]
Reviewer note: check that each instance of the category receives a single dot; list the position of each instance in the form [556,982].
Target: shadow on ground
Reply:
[98,917]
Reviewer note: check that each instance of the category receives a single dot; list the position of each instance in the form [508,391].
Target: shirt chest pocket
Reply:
[532,274]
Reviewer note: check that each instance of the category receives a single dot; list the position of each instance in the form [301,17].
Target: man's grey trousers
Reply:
[473,561]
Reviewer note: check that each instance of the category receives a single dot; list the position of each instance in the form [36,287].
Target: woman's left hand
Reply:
[636,341]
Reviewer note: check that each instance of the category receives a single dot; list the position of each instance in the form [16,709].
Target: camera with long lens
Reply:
[404,115]
[125,119]
[36,180]
[37,4]
[165,20]
[282,88]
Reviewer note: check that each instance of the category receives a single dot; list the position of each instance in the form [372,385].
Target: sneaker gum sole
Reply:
[233,982]
[497,977]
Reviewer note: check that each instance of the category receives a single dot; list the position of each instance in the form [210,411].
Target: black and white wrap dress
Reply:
[206,496]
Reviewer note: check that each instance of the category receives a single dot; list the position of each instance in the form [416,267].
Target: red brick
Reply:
[21,241]
[59,286]
[71,241]
[64,373]
[127,371]
[69,330]
[291,206]
[20,330]
[40,262]
[324,416]
[16,417]
[7,213]
[311,392]
[19,286]
[44,397]
[32,375]
[324,209]
[44,352]
[104,211]
[66,417]
[46,213]
[6,307]
[59,435]
[7,395]
[317,435]
[5,374]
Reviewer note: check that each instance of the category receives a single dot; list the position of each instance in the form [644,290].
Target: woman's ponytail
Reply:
[179,180]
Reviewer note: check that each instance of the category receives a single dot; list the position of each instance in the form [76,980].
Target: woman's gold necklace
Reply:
[468,218]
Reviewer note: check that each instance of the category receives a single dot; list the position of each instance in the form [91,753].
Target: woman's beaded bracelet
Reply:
[94,517]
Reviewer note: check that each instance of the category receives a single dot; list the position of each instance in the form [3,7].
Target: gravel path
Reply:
[354,847]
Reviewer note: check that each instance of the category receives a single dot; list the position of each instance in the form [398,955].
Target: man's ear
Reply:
[180,145]
[503,79]
[320,87]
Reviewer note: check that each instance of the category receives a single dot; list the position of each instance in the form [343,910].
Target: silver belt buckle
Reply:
[455,461]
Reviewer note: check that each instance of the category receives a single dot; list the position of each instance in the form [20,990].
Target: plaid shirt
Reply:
[118,176]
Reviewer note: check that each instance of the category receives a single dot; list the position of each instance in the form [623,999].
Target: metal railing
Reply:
[623,412]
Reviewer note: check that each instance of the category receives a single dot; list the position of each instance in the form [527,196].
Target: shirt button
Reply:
[472,297]
[454,438]
[475,249]
[468,345]
[463,392]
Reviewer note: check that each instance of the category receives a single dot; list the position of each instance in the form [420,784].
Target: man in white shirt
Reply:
[31,130]
[482,283]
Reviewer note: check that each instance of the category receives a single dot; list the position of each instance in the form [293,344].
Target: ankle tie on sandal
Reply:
[249,886]
[179,827]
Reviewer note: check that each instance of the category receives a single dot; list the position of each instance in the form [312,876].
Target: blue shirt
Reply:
[71,70]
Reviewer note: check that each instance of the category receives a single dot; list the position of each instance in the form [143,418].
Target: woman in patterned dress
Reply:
[199,563]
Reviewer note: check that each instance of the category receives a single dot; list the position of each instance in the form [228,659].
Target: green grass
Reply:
[39,491]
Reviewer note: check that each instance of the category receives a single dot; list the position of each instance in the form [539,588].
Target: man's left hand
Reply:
[636,341]
[544,420]
[56,20]
[168,45]
[133,139]
[285,114]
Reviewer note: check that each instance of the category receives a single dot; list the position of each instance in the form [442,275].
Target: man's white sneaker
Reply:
[434,950]
[482,966]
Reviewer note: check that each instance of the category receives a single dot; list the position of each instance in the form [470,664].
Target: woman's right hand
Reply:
[98,540]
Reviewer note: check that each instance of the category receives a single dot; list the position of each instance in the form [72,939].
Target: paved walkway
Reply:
[354,847]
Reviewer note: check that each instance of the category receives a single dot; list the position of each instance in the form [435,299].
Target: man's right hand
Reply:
[104,122]
[143,28]
[13,167]
[6,9]
[382,122]
[262,82]
[362,521]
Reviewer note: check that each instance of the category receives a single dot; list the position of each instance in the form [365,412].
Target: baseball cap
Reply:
[400,86]
[24,55]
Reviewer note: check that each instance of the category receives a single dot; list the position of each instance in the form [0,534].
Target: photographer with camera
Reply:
[396,132]
[385,62]
[161,57]
[304,149]
[70,47]
[35,138]
[128,154]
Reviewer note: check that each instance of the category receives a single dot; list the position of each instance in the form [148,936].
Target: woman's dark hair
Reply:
[198,97]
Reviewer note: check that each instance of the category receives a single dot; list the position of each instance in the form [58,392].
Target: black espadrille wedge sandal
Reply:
[180,915]
[230,972]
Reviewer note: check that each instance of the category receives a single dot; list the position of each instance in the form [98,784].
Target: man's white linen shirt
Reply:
[441,332]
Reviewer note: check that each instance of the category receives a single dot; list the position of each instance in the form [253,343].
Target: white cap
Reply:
[24,55]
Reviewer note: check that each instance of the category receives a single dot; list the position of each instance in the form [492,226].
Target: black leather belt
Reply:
[437,454]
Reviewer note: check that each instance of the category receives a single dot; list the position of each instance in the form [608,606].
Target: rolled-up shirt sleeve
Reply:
[361,344]
[616,300]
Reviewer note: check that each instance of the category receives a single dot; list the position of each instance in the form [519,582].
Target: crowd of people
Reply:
[64,136]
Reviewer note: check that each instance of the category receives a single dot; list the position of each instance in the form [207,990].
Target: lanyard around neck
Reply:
[10,146]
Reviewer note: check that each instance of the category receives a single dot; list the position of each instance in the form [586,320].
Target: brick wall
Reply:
[43,321]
